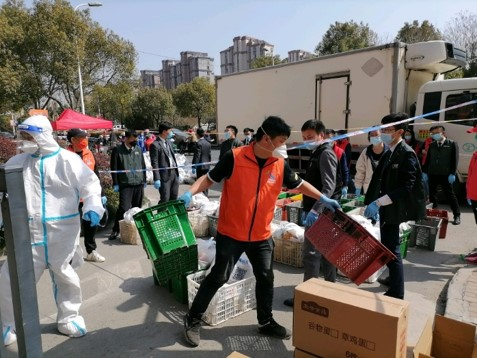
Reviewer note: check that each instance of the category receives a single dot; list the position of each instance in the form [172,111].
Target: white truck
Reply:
[354,90]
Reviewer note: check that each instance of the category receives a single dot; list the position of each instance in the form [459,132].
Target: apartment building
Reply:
[150,78]
[298,55]
[244,50]
[191,65]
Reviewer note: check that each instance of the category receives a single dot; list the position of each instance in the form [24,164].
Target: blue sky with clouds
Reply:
[161,29]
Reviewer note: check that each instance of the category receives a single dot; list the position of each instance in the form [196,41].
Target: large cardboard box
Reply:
[334,320]
[302,354]
[448,338]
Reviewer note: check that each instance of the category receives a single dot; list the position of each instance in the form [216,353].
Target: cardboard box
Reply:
[448,338]
[236,355]
[334,320]
[302,354]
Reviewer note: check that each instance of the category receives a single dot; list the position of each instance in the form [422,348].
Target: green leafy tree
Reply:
[265,61]
[341,37]
[412,33]
[195,99]
[462,32]
[151,107]
[113,101]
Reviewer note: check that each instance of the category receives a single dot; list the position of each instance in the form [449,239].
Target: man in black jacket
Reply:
[396,192]
[164,165]
[130,185]
[231,141]
[202,154]
[440,168]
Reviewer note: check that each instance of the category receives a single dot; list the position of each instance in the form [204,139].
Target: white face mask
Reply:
[28,146]
[280,152]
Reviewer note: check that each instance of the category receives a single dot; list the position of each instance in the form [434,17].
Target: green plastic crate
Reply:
[164,228]
[179,288]
[404,243]
[175,264]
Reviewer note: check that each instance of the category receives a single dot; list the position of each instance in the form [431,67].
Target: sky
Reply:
[161,29]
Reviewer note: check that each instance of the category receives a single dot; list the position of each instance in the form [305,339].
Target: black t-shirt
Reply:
[224,169]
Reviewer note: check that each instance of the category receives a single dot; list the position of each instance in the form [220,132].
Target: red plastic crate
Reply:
[281,204]
[442,214]
[348,246]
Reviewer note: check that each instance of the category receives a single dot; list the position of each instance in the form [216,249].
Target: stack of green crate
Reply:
[169,241]
[404,242]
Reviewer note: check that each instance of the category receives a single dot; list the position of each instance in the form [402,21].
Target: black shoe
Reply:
[289,302]
[386,281]
[391,294]
[113,235]
[456,220]
[192,330]
[273,329]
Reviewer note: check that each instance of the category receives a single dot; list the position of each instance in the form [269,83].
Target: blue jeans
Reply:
[390,239]
[228,251]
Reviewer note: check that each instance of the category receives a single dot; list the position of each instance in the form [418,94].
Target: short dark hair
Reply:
[131,133]
[329,131]
[200,132]
[396,117]
[372,130]
[233,128]
[314,124]
[437,127]
[246,129]
[164,126]
[273,126]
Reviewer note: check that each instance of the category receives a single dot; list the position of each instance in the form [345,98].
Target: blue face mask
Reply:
[227,135]
[170,135]
[407,137]
[387,138]
[375,140]
[437,136]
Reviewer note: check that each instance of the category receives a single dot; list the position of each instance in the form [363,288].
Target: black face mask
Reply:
[133,143]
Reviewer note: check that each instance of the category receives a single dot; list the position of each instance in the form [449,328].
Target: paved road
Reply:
[128,316]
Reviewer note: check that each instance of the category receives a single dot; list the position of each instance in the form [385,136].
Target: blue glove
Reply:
[425,177]
[329,203]
[469,201]
[357,192]
[104,200]
[451,178]
[157,184]
[186,198]
[194,171]
[93,217]
[311,218]
[372,211]
[344,192]
[116,188]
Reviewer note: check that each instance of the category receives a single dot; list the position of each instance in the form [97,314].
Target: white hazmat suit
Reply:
[55,180]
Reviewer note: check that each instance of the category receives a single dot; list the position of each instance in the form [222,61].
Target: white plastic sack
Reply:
[206,251]
[209,208]
[292,231]
[198,200]
[149,175]
[199,223]
[242,269]
[128,215]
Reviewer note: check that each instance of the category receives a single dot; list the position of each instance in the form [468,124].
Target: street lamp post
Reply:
[80,78]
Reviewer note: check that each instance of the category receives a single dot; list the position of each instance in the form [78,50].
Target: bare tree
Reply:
[462,32]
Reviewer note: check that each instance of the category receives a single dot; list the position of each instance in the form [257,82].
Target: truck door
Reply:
[332,99]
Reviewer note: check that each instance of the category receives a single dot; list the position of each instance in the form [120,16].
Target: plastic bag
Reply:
[149,175]
[199,223]
[198,200]
[128,215]
[206,251]
[243,269]
[293,232]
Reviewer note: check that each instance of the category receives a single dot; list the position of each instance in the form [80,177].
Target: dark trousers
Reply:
[390,239]
[474,209]
[199,173]
[129,197]
[228,251]
[312,260]
[169,190]
[88,232]
[434,181]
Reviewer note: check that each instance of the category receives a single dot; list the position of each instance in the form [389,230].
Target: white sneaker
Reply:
[73,329]
[94,256]
[9,336]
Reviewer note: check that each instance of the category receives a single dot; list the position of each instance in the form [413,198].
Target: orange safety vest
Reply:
[88,157]
[249,195]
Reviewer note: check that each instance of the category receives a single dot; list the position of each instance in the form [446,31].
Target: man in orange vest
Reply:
[79,145]
[256,173]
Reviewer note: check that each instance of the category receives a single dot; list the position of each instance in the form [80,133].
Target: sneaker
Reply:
[273,329]
[289,302]
[386,281]
[94,256]
[73,329]
[113,235]
[192,330]
[9,336]
[456,220]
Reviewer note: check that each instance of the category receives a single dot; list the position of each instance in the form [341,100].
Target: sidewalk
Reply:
[128,316]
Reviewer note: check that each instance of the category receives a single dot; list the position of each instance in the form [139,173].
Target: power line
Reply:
[155,54]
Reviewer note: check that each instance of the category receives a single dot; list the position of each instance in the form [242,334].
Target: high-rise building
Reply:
[191,65]
[298,55]
[244,50]
[150,78]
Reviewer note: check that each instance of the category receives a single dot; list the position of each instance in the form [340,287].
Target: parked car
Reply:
[7,135]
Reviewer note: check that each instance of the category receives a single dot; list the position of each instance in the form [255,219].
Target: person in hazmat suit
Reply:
[55,179]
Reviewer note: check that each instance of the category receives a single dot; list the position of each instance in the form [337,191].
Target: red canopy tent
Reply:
[72,119]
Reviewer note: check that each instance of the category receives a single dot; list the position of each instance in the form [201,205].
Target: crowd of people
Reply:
[396,173]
